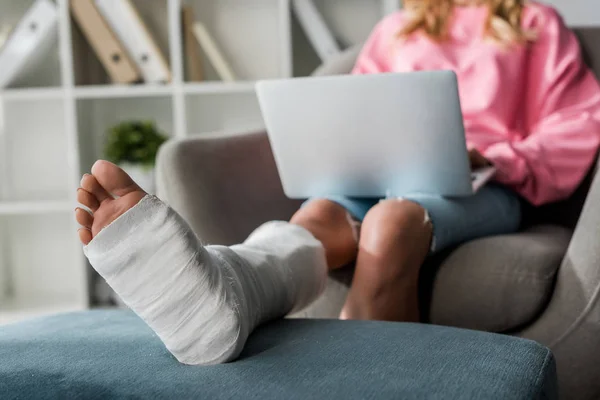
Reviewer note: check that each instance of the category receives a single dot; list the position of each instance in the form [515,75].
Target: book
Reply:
[213,53]
[194,71]
[317,31]
[109,50]
[30,41]
[133,33]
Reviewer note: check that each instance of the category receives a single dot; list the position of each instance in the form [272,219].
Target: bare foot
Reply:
[108,192]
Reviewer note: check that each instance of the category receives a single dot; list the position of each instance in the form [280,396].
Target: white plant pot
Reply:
[144,177]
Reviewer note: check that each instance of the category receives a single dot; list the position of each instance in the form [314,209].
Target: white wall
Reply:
[578,12]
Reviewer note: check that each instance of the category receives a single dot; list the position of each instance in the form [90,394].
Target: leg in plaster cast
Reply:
[202,301]
[395,238]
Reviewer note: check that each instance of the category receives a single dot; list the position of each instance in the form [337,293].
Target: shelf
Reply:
[12,311]
[35,207]
[25,94]
[219,87]
[56,117]
[131,91]
[118,91]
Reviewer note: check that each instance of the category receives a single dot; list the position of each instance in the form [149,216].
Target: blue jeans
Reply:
[493,210]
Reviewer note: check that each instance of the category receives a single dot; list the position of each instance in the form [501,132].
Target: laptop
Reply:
[379,135]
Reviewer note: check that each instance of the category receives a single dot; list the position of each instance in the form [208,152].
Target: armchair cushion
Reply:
[498,284]
[495,284]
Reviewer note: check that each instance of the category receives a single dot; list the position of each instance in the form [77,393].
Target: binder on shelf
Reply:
[29,43]
[313,24]
[193,55]
[128,26]
[113,56]
[213,53]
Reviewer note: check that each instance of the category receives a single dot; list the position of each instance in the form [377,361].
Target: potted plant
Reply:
[133,145]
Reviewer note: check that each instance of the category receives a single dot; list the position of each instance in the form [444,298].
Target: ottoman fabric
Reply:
[113,354]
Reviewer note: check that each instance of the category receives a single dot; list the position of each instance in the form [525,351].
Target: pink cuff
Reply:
[511,168]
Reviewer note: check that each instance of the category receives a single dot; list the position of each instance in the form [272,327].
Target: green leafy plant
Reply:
[135,142]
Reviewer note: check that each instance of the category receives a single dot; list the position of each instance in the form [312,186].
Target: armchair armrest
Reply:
[570,325]
[225,186]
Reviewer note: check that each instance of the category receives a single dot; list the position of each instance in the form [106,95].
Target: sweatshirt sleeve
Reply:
[376,55]
[550,160]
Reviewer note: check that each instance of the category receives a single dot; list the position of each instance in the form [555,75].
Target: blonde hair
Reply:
[502,25]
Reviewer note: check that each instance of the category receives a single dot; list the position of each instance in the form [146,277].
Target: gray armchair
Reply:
[542,283]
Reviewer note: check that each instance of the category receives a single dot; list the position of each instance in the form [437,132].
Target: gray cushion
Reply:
[113,354]
[495,284]
[501,283]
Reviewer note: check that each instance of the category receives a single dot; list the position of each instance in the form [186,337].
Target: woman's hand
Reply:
[478,160]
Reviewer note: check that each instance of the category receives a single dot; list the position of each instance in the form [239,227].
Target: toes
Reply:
[90,184]
[113,178]
[84,218]
[85,235]
[87,199]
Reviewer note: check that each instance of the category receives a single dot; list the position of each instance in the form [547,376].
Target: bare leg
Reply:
[395,239]
[329,223]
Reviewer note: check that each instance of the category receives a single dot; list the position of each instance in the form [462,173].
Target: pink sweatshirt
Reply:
[533,111]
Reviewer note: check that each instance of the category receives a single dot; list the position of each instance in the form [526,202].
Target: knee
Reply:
[396,225]
[319,211]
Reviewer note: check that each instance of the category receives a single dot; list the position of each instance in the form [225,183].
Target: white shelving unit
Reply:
[53,122]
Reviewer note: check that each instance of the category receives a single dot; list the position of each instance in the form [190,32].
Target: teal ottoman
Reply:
[114,355]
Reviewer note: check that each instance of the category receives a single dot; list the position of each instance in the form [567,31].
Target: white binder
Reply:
[213,53]
[316,29]
[126,23]
[29,43]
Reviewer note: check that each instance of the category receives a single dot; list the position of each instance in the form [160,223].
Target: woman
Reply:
[531,109]
[528,103]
